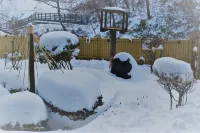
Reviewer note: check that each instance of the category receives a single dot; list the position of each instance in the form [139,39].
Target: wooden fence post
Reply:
[31,61]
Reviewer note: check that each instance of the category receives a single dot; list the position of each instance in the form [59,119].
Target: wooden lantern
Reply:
[114,18]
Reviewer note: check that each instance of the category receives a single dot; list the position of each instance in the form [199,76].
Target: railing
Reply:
[46,18]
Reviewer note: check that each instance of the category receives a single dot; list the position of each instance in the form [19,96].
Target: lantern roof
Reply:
[114,9]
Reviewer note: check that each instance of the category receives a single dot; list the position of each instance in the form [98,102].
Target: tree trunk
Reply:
[170,101]
[148,9]
[59,15]
[180,100]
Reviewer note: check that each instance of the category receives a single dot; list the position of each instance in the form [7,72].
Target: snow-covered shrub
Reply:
[73,94]
[174,75]
[22,111]
[15,58]
[141,60]
[59,45]
[150,47]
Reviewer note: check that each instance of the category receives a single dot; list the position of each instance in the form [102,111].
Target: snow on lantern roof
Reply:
[114,9]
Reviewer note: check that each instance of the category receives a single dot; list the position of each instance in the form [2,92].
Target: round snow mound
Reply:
[170,68]
[123,56]
[70,91]
[57,41]
[137,73]
[23,108]
[3,91]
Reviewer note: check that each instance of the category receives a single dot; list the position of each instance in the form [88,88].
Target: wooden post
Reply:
[31,61]
[113,43]
[12,51]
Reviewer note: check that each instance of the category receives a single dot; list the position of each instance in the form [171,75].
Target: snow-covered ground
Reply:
[130,106]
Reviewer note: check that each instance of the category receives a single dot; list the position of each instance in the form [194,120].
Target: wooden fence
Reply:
[99,48]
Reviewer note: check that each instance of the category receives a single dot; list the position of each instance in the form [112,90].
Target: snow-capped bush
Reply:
[174,75]
[58,41]
[150,47]
[60,45]
[141,60]
[70,93]
[170,67]
[21,110]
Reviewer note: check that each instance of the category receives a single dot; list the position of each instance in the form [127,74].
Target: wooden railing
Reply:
[38,17]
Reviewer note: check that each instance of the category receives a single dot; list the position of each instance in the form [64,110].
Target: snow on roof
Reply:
[71,91]
[24,108]
[58,40]
[171,67]
[115,9]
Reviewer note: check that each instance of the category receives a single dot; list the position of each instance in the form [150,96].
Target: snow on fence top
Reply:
[71,91]
[24,108]
[115,9]
[172,68]
[57,41]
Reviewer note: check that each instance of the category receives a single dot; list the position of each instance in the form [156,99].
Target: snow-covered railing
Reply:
[39,17]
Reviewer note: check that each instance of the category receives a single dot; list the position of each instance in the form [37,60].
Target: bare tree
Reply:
[148,9]
[150,48]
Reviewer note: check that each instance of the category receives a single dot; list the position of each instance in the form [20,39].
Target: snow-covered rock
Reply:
[71,91]
[136,73]
[58,41]
[23,108]
[170,68]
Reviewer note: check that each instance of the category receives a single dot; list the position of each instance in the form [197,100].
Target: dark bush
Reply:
[121,68]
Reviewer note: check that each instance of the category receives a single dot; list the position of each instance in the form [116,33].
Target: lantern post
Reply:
[113,19]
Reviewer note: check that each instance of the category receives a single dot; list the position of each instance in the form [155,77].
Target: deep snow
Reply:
[135,106]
